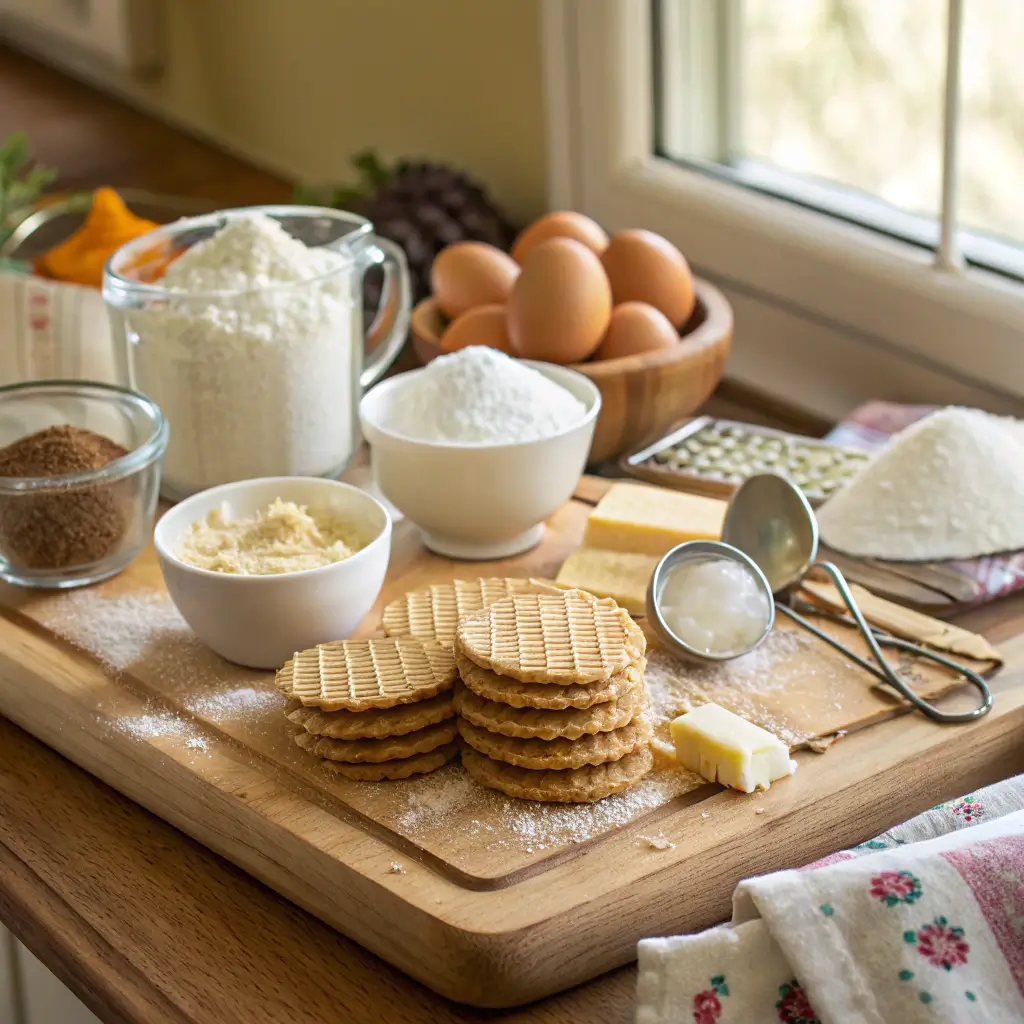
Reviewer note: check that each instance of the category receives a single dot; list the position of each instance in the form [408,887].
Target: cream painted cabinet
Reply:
[30,994]
[8,1004]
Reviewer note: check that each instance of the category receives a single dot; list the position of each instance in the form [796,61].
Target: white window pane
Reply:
[832,95]
[849,91]
[992,137]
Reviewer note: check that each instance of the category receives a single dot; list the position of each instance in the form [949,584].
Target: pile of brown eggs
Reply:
[567,292]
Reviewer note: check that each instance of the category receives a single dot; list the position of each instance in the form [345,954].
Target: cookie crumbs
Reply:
[656,842]
[820,745]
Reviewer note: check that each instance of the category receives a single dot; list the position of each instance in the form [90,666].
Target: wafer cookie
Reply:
[568,637]
[531,723]
[355,675]
[375,723]
[432,613]
[575,785]
[403,768]
[550,696]
[558,754]
[391,748]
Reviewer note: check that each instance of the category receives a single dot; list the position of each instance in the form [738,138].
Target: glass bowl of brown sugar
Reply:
[79,480]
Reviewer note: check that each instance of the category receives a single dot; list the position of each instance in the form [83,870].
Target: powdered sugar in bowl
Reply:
[245,326]
[478,449]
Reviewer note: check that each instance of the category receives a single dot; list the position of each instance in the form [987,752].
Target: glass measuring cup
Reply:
[261,379]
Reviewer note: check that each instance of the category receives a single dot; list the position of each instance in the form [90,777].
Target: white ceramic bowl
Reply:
[261,621]
[479,501]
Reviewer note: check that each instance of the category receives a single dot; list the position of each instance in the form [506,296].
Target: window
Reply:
[858,204]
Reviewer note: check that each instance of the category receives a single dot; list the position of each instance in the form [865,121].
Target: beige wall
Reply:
[299,85]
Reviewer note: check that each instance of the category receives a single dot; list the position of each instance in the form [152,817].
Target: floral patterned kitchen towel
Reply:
[924,923]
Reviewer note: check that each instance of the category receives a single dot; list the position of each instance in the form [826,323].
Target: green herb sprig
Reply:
[21,180]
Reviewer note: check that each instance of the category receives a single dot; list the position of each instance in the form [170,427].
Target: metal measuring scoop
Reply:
[770,520]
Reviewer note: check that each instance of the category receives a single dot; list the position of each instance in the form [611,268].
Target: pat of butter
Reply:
[620,575]
[725,748]
[651,520]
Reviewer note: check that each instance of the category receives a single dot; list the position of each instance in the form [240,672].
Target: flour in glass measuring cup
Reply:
[252,357]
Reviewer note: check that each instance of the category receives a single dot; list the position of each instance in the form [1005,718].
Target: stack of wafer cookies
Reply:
[373,709]
[552,697]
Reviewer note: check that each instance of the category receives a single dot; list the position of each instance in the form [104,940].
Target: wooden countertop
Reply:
[144,924]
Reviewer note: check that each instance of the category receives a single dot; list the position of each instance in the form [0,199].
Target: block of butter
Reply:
[621,575]
[725,748]
[651,520]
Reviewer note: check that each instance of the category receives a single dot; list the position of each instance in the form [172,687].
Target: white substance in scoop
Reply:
[949,486]
[256,383]
[715,605]
[481,396]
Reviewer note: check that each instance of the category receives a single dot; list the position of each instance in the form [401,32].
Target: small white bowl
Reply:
[261,621]
[479,501]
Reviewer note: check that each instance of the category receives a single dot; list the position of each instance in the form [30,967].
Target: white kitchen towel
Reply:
[925,923]
[52,330]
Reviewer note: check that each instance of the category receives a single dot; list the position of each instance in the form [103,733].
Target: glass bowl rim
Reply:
[137,459]
[115,283]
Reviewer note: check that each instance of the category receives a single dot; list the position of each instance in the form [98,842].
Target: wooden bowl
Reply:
[641,396]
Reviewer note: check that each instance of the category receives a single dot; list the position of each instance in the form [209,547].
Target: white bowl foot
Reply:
[478,552]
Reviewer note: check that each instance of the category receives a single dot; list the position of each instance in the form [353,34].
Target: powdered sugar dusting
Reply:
[502,823]
[116,630]
[675,686]
[232,703]
[145,633]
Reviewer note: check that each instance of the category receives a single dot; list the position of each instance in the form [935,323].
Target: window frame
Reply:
[828,313]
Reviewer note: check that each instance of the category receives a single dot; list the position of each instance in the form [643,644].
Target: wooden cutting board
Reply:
[488,901]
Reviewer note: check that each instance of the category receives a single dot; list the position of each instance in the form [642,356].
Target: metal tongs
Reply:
[771,523]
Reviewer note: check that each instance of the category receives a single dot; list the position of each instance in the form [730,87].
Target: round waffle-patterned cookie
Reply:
[561,753]
[531,723]
[375,723]
[545,696]
[568,637]
[403,768]
[391,748]
[574,785]
[355,675]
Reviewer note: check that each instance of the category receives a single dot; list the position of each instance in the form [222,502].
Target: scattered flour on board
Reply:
[949,486]
[119,630]
[503,823]
[145,629]
[674,686]
[480,396]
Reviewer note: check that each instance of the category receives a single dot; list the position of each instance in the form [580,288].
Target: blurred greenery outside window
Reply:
[839,106]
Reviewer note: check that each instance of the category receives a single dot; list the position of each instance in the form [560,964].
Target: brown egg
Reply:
[469,274]
[561,304]
[484,325]
[644,267]
[635,328]
[560,225]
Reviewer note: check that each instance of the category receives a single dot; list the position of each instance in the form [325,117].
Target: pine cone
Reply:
[423,207]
